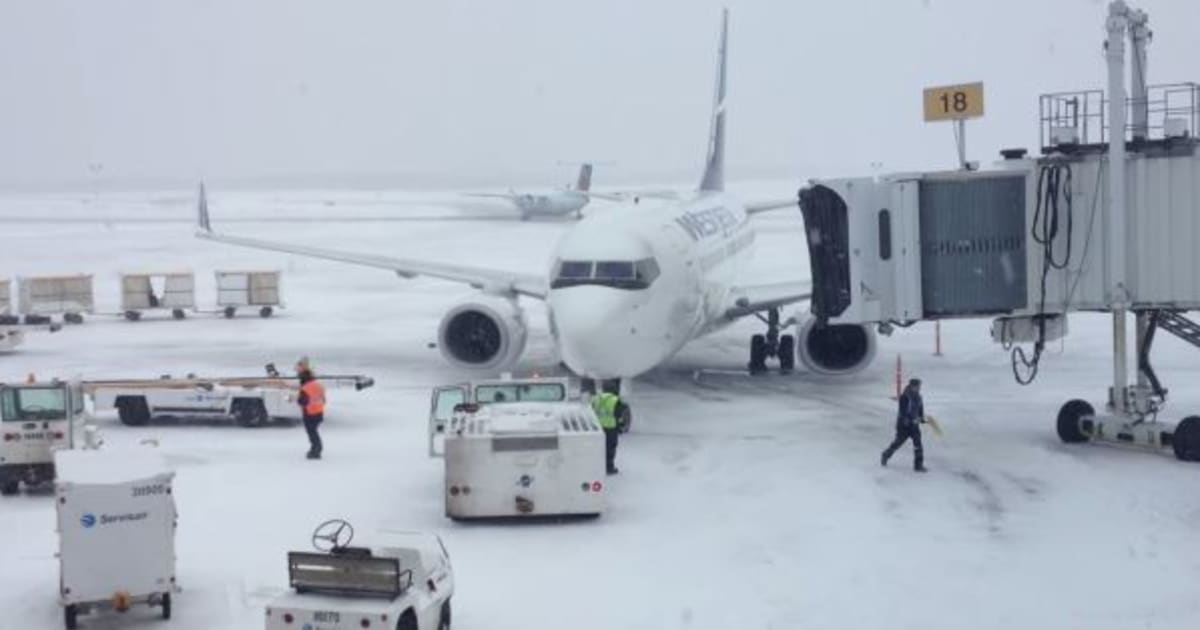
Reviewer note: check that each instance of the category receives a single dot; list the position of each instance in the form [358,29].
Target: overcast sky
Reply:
[470,92]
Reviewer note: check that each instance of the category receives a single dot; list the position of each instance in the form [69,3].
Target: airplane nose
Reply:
[597,332]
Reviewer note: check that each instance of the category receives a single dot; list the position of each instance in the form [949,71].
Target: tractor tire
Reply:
[444,619]
[1186,440]
[166,606]
[250,412]
[71,616]
[133,411]
[1068,421]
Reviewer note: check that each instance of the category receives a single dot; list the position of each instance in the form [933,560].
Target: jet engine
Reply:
[487,332]
[834,349]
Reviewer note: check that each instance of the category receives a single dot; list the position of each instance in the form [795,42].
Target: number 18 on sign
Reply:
[956,103]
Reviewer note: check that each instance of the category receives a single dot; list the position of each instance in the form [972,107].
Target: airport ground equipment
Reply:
[6,314]
[1106,220]
[36,421]
[250,401]
[116,529]
[404,581]
[237,289]
[43,296]
[537,456]
[10,338]
[173,291]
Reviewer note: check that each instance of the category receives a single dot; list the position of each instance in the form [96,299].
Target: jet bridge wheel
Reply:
[1068,421]
[1186,439]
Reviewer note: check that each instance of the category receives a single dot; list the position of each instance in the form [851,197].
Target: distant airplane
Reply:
[554,204]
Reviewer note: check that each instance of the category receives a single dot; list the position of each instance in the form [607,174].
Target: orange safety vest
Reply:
[316,398]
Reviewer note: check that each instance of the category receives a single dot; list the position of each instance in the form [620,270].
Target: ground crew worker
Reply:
[312,406]
[605,406]
[909,418]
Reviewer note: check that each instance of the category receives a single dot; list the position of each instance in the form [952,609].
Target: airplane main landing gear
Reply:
[772,345]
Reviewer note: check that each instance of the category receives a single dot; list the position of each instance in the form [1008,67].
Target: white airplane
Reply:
[627,288]
[555,204]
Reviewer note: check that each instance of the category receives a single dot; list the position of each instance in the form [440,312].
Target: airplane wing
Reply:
[489,280]
[508,196]
[766,206]
[750,299]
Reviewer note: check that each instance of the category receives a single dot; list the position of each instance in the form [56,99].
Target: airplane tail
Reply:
[585,177]
[202,221]
[714,164]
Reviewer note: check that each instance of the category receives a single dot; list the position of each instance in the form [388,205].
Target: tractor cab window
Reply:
[33,403]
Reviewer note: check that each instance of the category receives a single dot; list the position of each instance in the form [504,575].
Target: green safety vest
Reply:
[605,406]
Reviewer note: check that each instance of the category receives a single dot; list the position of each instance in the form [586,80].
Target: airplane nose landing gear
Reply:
[772,345]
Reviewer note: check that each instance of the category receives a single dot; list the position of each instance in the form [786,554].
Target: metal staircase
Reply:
[1176,323]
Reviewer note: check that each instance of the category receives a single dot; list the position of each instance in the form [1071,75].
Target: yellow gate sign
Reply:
[954,102]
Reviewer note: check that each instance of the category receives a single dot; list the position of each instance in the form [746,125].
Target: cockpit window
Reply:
[618,274]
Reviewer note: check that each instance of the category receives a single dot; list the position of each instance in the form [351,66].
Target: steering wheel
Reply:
[332,535]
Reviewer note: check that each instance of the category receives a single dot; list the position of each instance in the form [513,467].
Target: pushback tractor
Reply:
[517,448]
[36,419]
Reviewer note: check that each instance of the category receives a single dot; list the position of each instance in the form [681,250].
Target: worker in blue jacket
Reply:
[909,418]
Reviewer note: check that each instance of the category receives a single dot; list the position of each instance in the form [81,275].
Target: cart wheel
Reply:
[10,488]
[1068,420]
[166,606]
[444,620]
[1186,439]
[408,621]
[178,313]
[229,311]
[265,311]
[132,316]
[71,616]
[73,318]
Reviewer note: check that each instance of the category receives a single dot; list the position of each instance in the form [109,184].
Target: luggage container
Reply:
[6,301]
[249,288]
[116,529]
[141,292]
[517,459]
[42,296]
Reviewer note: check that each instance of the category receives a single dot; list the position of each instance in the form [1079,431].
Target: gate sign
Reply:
[954,102]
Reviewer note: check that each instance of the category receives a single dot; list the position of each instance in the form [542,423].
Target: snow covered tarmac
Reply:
[748,503]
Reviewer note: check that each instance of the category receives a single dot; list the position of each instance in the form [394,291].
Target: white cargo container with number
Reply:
[517,449]
[249,288]
[36,420]
[403,582]
[116,529]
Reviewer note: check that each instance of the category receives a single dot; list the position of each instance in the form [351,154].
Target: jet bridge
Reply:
[1102,221]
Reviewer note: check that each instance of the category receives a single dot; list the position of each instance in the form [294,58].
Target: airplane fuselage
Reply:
[607,327]
[555,204]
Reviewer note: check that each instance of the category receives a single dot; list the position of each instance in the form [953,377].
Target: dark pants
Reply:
[610,448]
[905,431]
[314,439]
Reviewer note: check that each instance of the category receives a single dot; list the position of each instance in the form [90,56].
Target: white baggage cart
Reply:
[116,528]
[404,582]
[141,292]
[517,449]
[69,296]
[249,288]
[36,420]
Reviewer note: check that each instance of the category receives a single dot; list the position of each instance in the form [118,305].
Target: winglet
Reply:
[714,164]
[202,211]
